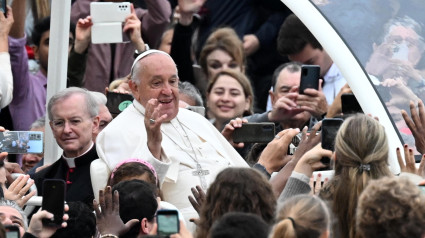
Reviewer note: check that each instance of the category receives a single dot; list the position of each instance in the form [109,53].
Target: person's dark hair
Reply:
[44,25]
[236,190]
[239,225]
[254,153]
[292,67]
[391,207]
[131,169]
[81,222]
[294,36]
[137,201]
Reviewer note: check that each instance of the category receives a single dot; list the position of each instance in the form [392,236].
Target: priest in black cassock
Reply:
[73,115]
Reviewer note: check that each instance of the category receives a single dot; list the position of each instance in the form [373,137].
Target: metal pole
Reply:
[58,66]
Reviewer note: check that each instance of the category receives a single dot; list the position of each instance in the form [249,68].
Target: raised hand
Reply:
[416,124]
[408,165]
[108,218]
[18,189]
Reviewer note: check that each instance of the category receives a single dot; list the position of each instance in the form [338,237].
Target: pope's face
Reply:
[158,79]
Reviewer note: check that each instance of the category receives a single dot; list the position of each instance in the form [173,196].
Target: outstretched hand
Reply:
[310,161]
[18,189]
[197,199]
[410,165]
[108,218]
[416,124]
[273,157]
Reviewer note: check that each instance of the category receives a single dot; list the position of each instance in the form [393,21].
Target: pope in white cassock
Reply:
[184,147]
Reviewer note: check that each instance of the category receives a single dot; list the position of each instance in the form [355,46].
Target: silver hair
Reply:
[99,97]
[39,123]
[14,205]
[292,67]
[192,92]
[137,68]
[91,104]
[404,22]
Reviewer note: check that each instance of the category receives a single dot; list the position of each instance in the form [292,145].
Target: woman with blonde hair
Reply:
[361,155]
[302,216]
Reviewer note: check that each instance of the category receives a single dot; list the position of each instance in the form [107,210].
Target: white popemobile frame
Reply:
[304,9]
[350,69]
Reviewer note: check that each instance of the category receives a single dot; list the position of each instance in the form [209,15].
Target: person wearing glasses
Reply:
[73,115]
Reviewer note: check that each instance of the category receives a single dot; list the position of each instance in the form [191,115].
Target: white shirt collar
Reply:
[71,161]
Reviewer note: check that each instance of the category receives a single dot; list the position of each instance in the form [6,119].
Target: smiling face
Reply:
[218,60]
[157,79]
[227,99]
[72,125]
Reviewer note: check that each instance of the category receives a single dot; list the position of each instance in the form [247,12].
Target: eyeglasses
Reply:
[60,123]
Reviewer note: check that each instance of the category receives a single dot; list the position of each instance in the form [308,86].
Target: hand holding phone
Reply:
[53,201]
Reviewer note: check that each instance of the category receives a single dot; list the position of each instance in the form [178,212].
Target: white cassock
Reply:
[125,137]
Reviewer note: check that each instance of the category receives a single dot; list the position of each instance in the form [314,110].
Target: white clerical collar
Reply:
[71,161]
[332,74]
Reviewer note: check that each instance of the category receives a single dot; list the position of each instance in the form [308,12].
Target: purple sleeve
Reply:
[19,64]
[154,21]
[80,9]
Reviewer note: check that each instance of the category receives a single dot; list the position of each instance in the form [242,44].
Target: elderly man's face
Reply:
[72,125]
[289,82]
[158,80]
[11,217]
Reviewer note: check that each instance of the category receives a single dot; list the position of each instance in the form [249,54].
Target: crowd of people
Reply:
[198,71]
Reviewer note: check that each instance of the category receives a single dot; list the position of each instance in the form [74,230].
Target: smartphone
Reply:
[168,222]
[349,104]
[117,102]
[12,231]
[108,21]
[330,127]
[310,75]
[3,7]
[21,142]
[263,132]
[53,201]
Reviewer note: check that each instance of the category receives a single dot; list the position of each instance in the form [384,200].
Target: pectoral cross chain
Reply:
[201,173]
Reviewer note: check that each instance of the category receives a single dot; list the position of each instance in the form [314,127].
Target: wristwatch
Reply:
[137,53]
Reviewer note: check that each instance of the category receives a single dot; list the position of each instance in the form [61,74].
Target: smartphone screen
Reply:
[21,142]
[53,200]
[255,133]
[168,222]
[12,231]
[3,7]
[310,75]
[330,127]
[349,104]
